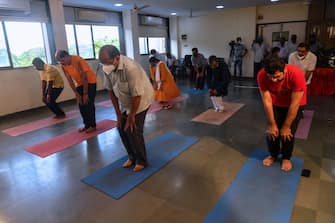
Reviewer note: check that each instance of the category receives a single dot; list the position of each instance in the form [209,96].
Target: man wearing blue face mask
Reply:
[305,60]
[131,94]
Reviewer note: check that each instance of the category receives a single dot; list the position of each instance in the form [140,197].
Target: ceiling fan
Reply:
[136,8]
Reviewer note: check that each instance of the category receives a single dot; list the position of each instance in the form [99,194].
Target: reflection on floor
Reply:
[33,189]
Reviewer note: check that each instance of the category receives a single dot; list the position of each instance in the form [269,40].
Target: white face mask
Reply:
[301,57]
[108,68]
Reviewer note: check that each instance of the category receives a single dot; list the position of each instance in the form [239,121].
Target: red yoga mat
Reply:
[32,126]
[66,140]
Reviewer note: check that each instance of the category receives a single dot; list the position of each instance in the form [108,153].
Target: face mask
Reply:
[108,68]
[301,57]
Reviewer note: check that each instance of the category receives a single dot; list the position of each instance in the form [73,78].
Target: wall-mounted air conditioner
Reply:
[14,6]
[86,15]
[151,21]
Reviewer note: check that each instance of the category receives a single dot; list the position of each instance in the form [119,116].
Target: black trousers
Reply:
[257,68]
[87,111]
[283,146]
[133,141]
[52,105]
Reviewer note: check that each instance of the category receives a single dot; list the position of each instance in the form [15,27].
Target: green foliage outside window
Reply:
[25,58]
[101,42]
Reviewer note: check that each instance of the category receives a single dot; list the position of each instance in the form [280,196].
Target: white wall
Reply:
[21,90]
[283,12]
[212,33]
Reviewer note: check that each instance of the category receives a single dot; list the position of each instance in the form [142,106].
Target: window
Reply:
[143,44]
[103,35]
[4,58]
[88,39]
[148,43]
[71,39]
[157,43]
[25,42]
[84,40]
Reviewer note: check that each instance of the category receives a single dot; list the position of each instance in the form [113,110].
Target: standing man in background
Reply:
[259,49]
[304,59]
[52,86]
[239,52]
[199,63]
[82,80]
[292,44]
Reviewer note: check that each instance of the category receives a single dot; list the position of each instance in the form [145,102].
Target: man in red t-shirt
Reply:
[283,90]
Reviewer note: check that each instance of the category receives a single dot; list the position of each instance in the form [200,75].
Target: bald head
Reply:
[108,54]
[63,57]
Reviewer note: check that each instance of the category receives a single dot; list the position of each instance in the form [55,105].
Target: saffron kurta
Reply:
[163,79]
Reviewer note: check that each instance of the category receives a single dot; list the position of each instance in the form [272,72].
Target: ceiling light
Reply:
[173,13]
[219,6]
[118,4]
[274,0]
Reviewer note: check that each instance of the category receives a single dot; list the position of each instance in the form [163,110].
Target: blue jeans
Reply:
[238,65]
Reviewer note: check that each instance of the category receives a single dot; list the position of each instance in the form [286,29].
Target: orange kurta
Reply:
[168,89]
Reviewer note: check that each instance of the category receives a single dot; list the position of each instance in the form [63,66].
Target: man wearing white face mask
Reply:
[131,94]
[305,60]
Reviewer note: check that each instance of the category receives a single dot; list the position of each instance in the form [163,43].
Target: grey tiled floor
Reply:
[49,190]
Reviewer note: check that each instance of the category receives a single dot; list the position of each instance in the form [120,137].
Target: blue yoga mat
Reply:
[116,181]
[195,92]
[259,194]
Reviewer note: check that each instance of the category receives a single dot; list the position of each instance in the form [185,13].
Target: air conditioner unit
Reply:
[86,15]
[151,21]
[14,7]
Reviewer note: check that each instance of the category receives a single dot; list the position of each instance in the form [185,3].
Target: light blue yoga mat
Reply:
[258,194]
[116,181]
[195,92]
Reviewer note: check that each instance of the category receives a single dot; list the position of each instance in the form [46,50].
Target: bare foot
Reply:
[90,129]
[268,161]
[286,165]
[138,167]
[127,164]
[82,129]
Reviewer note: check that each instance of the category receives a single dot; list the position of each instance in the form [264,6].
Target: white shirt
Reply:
[308,63]
[291,47]
[259,52]
[127,81]
[170,61]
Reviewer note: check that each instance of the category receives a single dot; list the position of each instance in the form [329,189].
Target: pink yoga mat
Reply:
[304,125]
[155,106]
[35,125]
[66,140]
[217,118]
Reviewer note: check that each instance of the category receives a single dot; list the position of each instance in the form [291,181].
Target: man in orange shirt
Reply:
[82,80]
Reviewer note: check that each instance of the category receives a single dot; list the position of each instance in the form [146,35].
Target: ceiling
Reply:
[164,8]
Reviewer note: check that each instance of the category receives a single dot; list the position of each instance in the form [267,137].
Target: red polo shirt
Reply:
[281,91]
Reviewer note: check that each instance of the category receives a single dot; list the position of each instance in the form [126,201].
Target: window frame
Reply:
[9,53]
[7,48]
[92,36]
[147,44]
